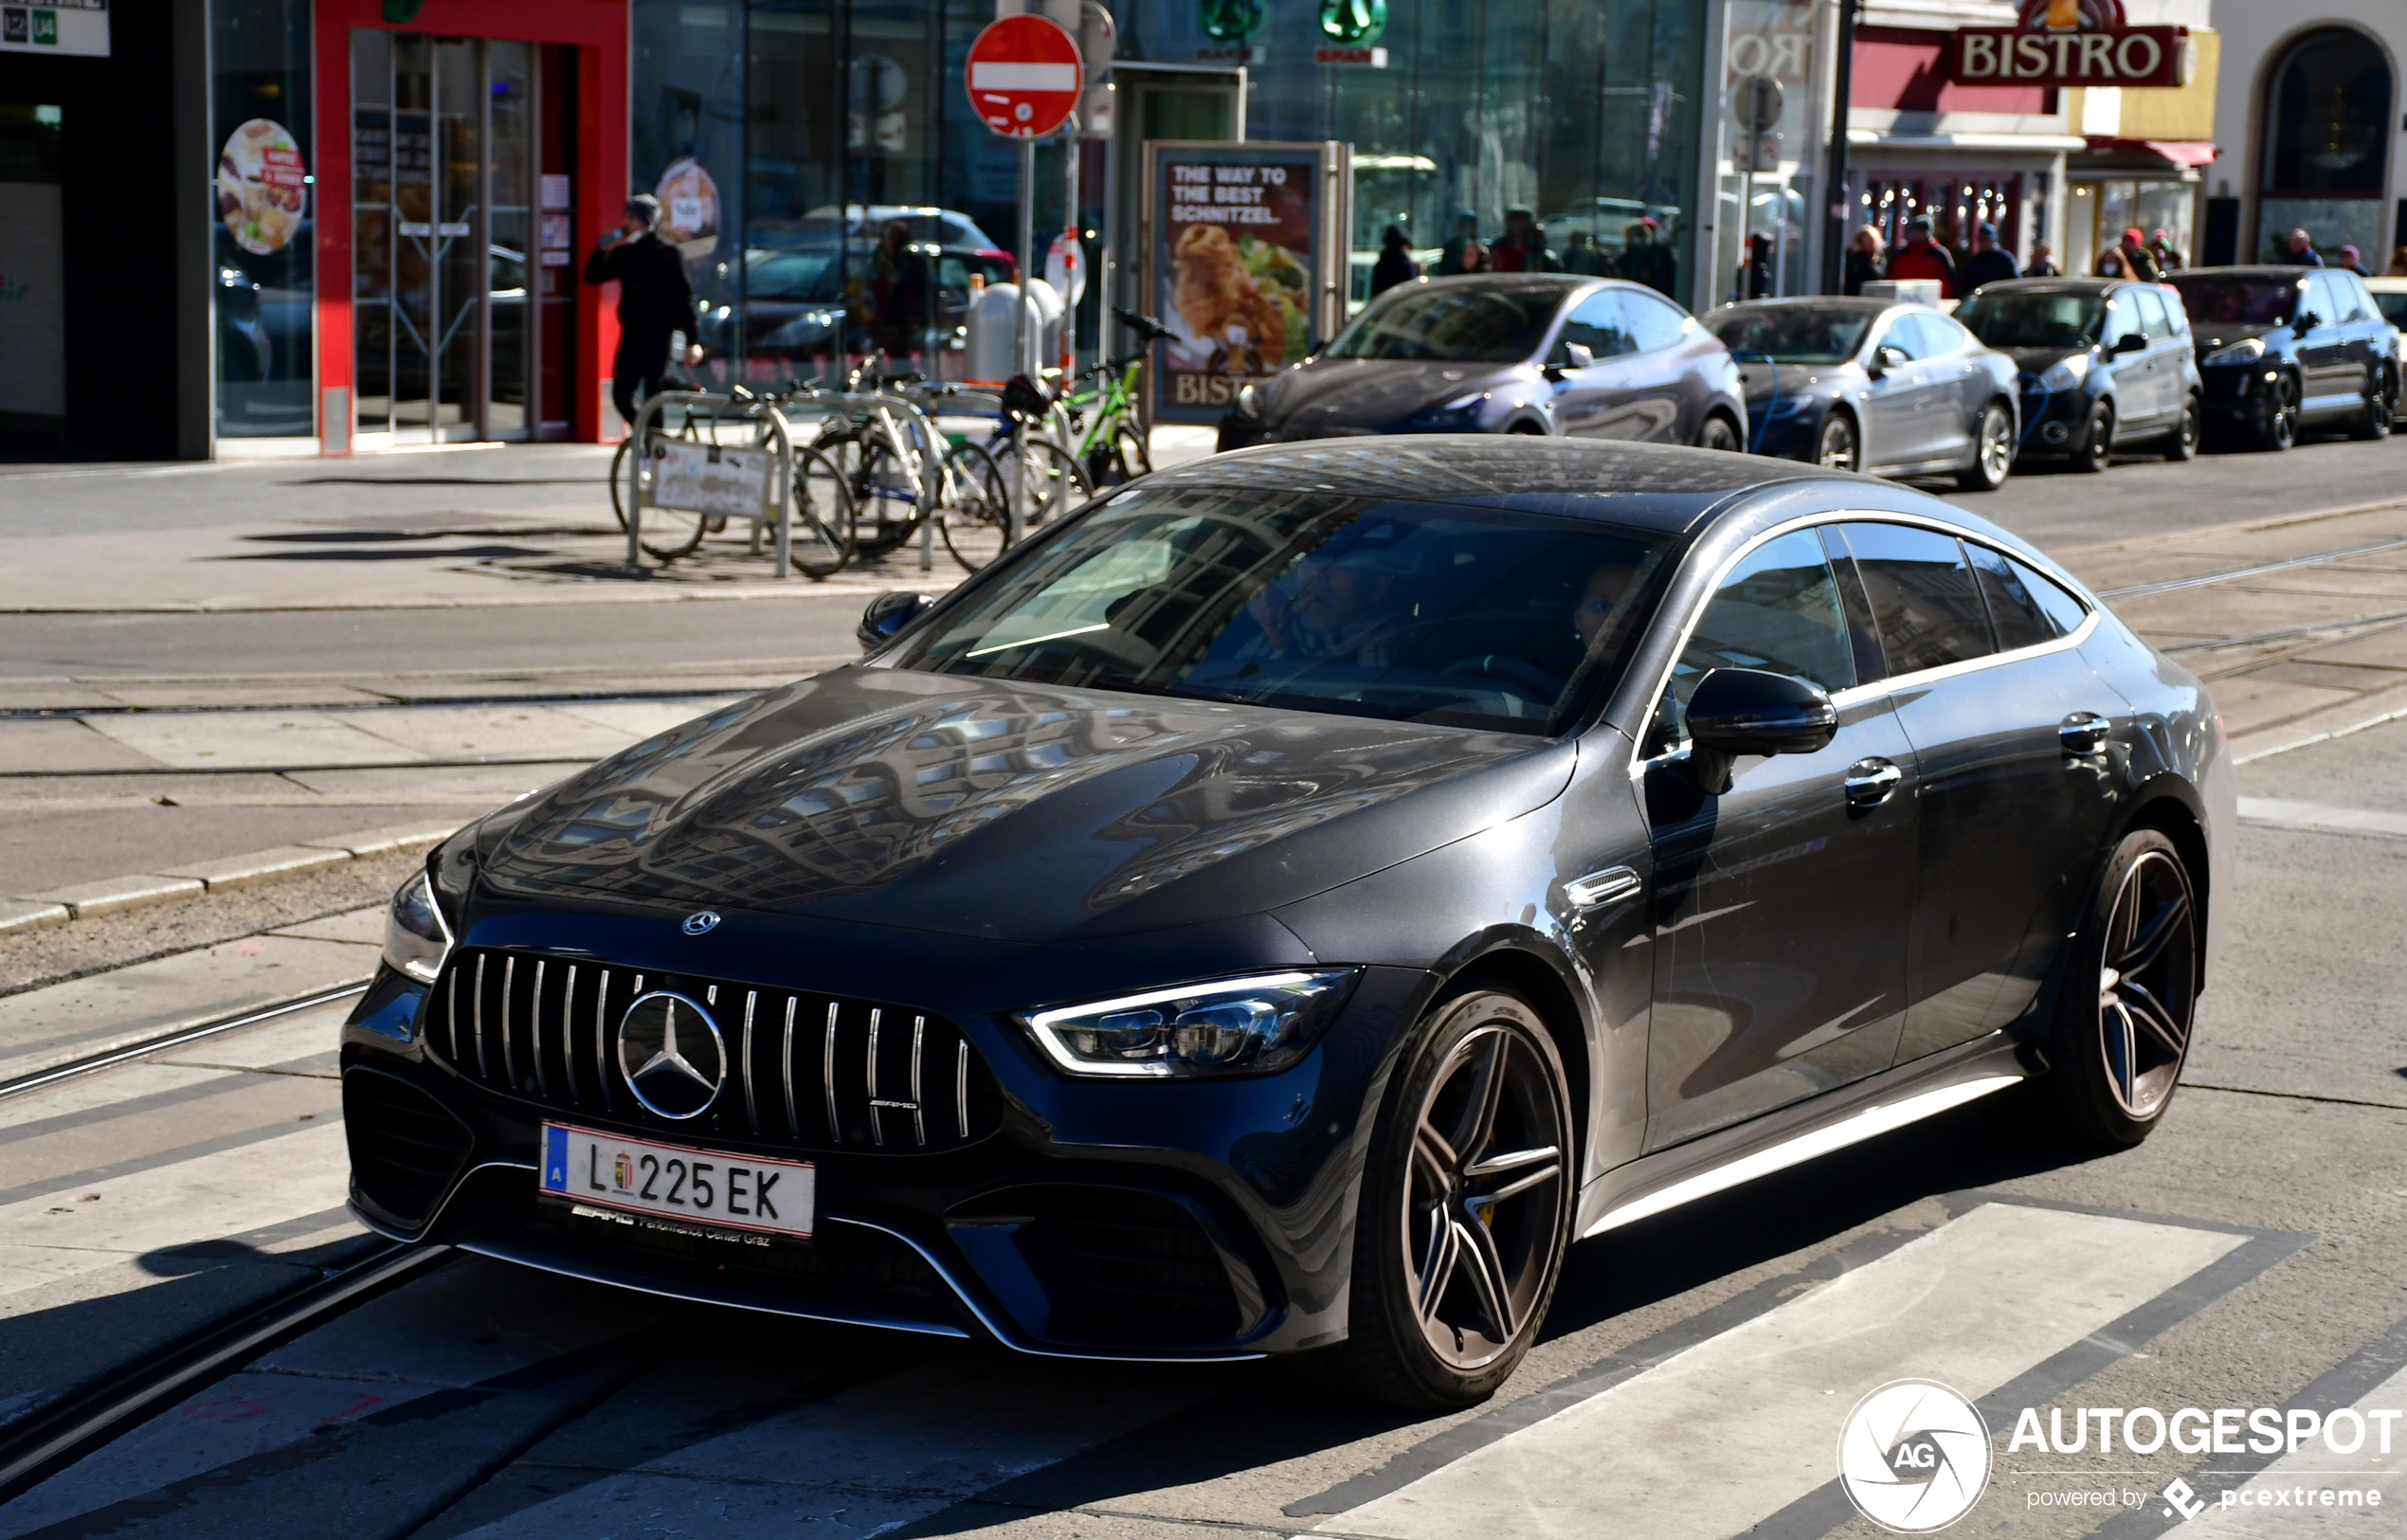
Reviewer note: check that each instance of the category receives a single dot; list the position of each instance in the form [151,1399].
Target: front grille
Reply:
[813,1070]
[1124,1266]
[405,1147]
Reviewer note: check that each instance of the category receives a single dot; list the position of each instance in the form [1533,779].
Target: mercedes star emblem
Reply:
[670,1052]
[701,921]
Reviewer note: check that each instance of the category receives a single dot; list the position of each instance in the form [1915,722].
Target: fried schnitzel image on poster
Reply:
[1238,286]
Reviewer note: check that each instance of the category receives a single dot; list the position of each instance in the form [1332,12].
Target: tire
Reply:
[1836,448]
[668,532]
[2184,442]
[2095,452]
[2280,427]
[976,517]
[1993,451]
[1717,434]
[2119,1043]
[1466,1204]
[2375,418]
[884,496]
[1045,482]
[822,541]
[1122,456]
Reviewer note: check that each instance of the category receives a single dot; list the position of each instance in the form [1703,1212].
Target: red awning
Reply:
[2180,152]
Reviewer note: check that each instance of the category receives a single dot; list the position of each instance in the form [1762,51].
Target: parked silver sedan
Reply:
[1871,384]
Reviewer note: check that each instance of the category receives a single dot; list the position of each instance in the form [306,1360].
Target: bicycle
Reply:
[1112,449]
[899,469]
[820,534]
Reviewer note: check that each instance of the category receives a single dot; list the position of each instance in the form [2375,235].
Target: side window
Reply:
[1653,325]
[2153,321]
[1596,323]
[2320,298]
[2064,612]
[1940,334]
[1904,336]
[2174,312]
[1925,602]
[2014,611]
[2122,318]
[1778,610]
[2350,290]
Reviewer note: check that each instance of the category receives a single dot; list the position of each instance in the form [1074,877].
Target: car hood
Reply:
[1367,395]
[2040,360]
[1796,380]
[1006,810]
[2208,337]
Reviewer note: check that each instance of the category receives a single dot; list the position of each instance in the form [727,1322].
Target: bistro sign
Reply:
[2072,43]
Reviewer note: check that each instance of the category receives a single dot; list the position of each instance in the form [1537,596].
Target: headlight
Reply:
[416,937]
[1228,1027]
[2067,374]
[1460,408]
[1249,403]
[2247,350]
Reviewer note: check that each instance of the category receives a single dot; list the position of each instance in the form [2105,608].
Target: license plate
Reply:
[720,1189]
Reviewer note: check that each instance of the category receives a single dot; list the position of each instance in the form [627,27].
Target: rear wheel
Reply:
[2131,991]
[1121,457]
[1835,447]
[1466,1208]
[822,542]
[1718,433]
[977,516]
[2374,419]
[2184,444]
[2095,452]
[1992,451]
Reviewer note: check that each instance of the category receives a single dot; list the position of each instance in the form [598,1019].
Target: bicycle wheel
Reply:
[881,506]
[1119,456]
[667,533]
[1045,482]
[823,534]
[976,517]
[618,479]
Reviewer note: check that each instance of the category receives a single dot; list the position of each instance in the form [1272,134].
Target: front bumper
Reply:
[1150,1220]
[2053,422]
[2239,392]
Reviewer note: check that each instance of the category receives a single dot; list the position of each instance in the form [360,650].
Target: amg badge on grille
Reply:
[671,1054]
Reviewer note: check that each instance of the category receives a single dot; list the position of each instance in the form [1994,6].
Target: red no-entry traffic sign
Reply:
[1024,75]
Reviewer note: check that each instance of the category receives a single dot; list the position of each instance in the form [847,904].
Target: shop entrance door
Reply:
[443,134]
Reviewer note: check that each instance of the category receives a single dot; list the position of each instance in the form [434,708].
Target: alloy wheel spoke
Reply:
[2122,1053]
[1485,1269]
[2149,1012]
[1487,1089]
[1438,1262]
[1433,1157]
[1530,1177]
[2147,944]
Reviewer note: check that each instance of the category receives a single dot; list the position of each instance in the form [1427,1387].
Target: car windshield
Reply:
[791,275]
[2393,306]
[2033,319]
[1363,606]
[2217,300]
[1792,334]
[1453,323]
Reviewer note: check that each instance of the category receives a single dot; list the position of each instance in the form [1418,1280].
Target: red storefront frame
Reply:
[598,31]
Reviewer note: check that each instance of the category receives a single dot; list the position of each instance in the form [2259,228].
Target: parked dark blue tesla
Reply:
[2105,364]
[1283,906]
[2284,349]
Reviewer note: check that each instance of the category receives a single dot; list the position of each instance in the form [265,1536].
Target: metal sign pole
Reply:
[1027,337]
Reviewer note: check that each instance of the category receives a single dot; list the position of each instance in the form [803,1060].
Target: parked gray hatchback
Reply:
[2101,365]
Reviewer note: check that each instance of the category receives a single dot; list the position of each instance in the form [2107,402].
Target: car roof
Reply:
[1665,487]
[2265,270]
[1857,305]
[2071,285]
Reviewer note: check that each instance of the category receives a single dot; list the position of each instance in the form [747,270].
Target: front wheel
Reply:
[2184,444]
[1835,448]
[2095,452]
[2280,427]
[1120,457]
[1717,434]
[2131,992]
[976,520]
[1993,450]
[1466,1208]
[2374,420]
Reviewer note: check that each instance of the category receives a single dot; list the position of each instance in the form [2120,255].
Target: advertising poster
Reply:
[1243,262]
[262,187]
[689,209]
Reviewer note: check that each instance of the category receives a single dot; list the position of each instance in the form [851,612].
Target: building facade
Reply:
[2310,115]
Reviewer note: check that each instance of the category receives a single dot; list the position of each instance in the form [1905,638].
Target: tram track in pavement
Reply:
[180,1038]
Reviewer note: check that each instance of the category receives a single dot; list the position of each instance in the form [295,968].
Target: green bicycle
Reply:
[1105,436]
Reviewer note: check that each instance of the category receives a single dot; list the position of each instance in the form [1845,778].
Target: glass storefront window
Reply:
[1773,125]
[261,230]
[33,356]
[2102,210]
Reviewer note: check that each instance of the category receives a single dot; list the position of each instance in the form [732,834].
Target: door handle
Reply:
[2083,733]
[1870,782]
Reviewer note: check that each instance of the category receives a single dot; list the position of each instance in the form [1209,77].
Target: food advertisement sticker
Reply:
[1246,261]
[262,187]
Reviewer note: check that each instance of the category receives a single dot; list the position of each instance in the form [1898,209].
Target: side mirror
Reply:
[2128,342]
[2308,320]
[889,615]
[1579,354]
[1885,358]
[1746,710]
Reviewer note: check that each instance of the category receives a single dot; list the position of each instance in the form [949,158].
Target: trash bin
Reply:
[994,330]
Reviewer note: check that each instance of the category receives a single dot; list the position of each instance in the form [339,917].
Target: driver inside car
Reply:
[1337,606]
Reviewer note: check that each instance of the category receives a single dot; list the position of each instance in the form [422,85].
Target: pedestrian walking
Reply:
[2350,259]
[2168,255]
[2302,250]
[1395,263]
[1645,259]
[1581,254]
[1923,258]
[1521,248]
[1867,255]
[2131,258]
[1466,234]
[1755,274]
[1989,263]
[2042,263]
[1470,257]
[655,303]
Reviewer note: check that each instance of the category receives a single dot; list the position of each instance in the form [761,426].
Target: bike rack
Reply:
[776,510]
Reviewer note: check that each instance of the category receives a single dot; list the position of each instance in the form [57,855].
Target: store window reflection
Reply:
[261,233]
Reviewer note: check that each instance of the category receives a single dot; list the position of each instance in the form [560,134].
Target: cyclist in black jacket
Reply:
[654,301]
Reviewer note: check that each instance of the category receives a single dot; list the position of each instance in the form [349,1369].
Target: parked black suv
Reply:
[2103,365]
[2286,348]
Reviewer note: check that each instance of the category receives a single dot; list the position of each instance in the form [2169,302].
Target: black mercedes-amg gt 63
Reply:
[1283,906]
